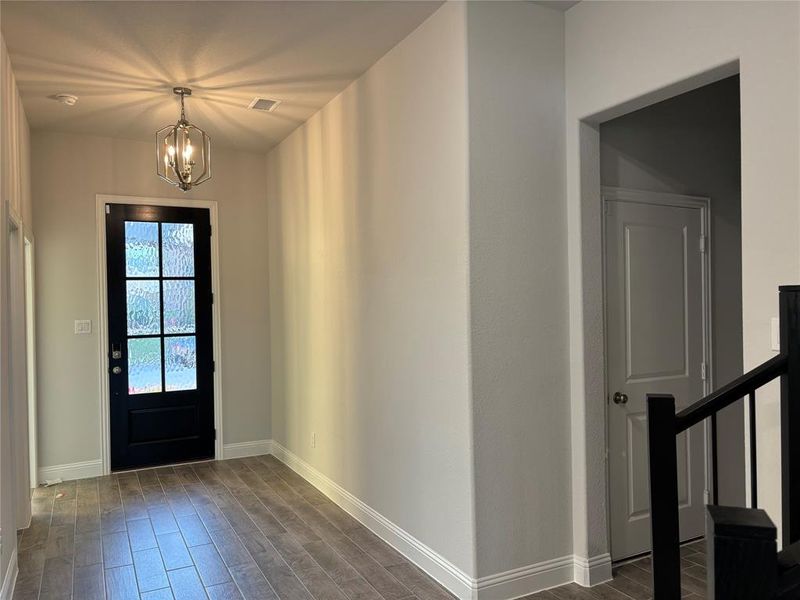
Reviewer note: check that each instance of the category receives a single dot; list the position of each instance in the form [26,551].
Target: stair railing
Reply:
[664,425]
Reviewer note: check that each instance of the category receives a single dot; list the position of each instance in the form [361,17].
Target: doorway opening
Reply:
[677,153]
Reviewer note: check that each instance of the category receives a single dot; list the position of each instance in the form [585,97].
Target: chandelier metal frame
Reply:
[175,152]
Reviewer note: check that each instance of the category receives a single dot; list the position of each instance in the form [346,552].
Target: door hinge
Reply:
[215,435]
[212,297]
[703,244]
[213,366]
[108,209]
[703,371]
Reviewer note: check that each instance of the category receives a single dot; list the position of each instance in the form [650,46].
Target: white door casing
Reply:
[100,202]
[656,267]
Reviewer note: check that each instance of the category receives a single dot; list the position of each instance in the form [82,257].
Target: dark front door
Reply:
[160,327]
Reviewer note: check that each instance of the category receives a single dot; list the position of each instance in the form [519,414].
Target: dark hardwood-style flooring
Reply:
[634,580]
[244,528]
[248,528]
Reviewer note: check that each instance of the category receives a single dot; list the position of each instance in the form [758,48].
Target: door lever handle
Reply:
[620,398]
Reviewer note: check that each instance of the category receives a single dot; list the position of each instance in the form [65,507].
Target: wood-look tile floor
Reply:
[247,528]
[634,580]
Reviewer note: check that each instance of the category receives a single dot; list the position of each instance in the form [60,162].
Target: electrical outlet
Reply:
[313,439]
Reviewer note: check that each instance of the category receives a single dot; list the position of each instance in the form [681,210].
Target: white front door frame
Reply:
[102,326]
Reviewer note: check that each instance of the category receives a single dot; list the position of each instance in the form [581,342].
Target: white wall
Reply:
[71,170]
[369,289]
[624,55]
[15,193]
[690,145]
[518,286]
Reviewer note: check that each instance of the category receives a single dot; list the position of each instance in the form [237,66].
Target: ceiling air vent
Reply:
[264,104]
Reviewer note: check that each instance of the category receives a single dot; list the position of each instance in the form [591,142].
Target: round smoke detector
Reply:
[67,99]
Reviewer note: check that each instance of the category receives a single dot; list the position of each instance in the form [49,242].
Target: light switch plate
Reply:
[83,327]
[775,334]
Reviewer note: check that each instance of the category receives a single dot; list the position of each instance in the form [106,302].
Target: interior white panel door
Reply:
[654,297]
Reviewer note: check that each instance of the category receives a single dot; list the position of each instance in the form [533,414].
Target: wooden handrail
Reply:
[727,395]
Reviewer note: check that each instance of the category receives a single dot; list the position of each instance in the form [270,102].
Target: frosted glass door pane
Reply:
[141,249]
[177,245]
[178,306]
[144,365]
[180,357]
[144,306]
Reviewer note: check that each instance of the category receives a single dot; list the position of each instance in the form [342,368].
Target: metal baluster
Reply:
[753,463]
[714,474]
[790,413]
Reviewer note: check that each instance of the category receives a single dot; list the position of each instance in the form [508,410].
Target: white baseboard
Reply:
[10,579]
[593,571]
[243,449]
[501,586]
[78,470]
[526,580]
[94,468]
[427,559]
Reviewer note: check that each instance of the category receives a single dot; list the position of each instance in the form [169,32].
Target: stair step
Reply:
[789,557]
[789,572]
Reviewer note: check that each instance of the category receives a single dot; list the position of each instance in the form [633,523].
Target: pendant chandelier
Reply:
[183,151]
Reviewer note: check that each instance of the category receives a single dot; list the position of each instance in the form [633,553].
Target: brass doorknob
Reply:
[620,398]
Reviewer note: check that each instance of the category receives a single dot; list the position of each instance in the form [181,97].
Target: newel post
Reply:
[790,412]
[740,560]
[664,497]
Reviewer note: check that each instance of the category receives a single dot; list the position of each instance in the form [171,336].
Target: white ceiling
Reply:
[123,58]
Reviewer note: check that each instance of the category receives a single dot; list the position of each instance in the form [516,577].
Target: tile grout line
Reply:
[307,524]
[269,541]
[354,542]
[347,535]
[238,537]
[180,532]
